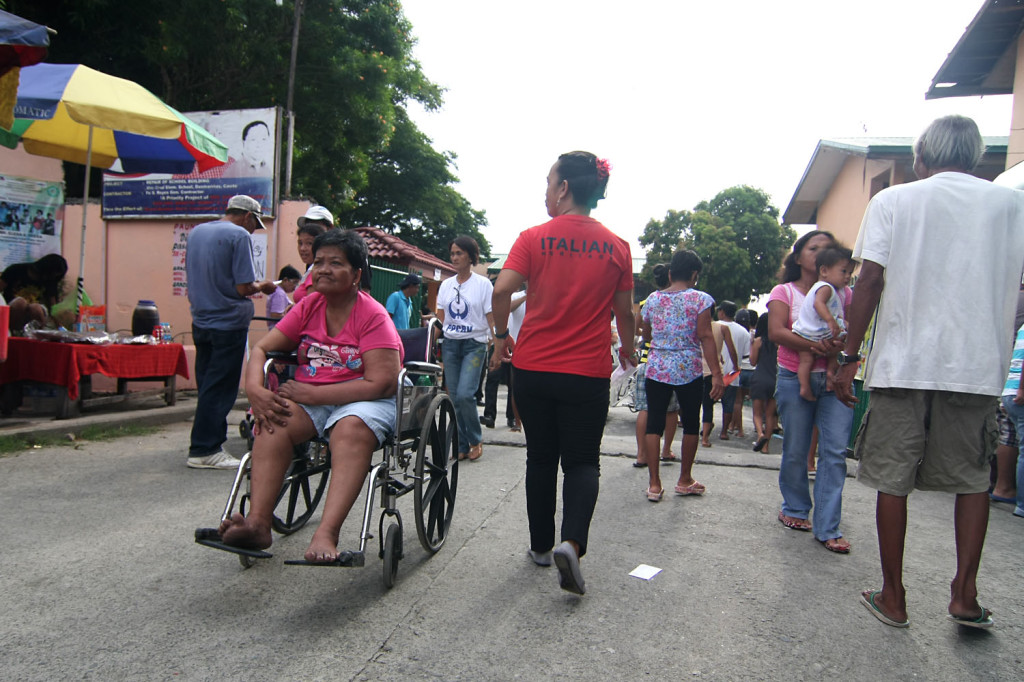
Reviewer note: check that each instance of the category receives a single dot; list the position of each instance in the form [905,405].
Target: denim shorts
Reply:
[378,415]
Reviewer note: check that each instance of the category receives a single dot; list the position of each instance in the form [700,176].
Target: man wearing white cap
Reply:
[221,276]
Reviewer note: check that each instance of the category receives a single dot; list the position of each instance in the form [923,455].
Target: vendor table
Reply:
[69,366]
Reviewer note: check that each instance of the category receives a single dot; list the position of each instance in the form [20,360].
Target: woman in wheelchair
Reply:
[349,356]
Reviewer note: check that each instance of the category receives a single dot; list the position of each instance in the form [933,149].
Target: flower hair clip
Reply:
[603,168]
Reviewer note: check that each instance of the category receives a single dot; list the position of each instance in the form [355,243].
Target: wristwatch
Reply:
[847,359]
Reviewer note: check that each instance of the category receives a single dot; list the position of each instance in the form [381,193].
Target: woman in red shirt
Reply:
[579,274]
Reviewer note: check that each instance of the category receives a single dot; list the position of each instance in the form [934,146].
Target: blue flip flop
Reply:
[1004,500]
[982,622]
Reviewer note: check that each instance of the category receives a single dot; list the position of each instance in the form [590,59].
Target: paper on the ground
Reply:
[645,572]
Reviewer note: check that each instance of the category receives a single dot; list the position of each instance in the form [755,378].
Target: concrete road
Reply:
[100,580]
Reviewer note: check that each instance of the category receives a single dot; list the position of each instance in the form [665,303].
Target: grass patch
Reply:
[10,445]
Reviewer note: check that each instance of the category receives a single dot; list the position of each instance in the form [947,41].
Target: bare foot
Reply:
[239,531]
[705,443]
[323,549]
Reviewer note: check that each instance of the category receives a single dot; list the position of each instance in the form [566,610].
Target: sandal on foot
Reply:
[761,442]
[982,622]
[463,455]
[705,445]
[640,465]
[654,496]
[794,523]
[692,489]
[835,546]
[669,458]
[867,598]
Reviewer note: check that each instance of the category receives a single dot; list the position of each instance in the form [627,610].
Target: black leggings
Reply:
[707,409]
[690,397]
[563,418]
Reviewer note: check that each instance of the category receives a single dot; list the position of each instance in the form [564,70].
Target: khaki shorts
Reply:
[929,440]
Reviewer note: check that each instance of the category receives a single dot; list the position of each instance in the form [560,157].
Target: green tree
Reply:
[737,235]
[354,75]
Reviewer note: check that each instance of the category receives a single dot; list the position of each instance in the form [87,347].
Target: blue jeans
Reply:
[834,421]
[463,361]
[1016,414]
[219,356]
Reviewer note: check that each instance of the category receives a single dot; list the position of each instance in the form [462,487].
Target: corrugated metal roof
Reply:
[984,59]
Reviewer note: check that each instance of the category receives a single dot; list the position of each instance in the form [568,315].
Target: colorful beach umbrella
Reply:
[22,43]
[78,114]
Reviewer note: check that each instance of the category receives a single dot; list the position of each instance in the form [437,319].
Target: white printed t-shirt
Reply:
[466,307]
[952,246]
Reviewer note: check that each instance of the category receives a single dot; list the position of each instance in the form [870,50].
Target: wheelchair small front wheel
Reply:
[436,474]
[392,554]
[304,485]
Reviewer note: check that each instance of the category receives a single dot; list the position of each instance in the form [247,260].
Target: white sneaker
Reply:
[218,460]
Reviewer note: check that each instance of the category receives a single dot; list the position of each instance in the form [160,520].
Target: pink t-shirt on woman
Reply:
[790,295]
[325,359]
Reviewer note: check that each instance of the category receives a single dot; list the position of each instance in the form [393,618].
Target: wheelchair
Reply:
[420,457]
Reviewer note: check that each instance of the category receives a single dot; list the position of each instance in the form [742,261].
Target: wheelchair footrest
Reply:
[211,538]
[346,559]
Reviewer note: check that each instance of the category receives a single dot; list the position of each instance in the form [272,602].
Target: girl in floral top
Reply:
[677,323]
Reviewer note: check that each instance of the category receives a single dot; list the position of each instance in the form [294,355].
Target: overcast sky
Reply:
[684,98]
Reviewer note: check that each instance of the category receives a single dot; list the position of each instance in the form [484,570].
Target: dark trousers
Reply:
[563,417]
[502,375]
[219,356]
[690,396]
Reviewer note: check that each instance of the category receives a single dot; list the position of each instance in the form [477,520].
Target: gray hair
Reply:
[950,142]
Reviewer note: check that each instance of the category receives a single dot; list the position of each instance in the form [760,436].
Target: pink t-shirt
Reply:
[325,359]
[304,287]
[794,298]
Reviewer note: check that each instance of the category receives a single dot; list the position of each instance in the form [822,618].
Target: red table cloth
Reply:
[64,364]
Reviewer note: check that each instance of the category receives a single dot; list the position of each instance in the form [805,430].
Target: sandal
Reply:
[794,523]
[463,455]
[654,497]
[694,488]
[761,442]
[835,546]
[639,465]
[475,452]
[669,458]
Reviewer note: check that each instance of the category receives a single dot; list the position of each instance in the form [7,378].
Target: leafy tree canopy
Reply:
[354,75]
[737,235]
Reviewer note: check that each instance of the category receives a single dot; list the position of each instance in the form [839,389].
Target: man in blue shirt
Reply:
[221,276]
[399,304]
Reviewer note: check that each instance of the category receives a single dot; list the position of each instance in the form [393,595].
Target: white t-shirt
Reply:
[809,324]
[952,246]
[740,339]
[466,307]
[515,318]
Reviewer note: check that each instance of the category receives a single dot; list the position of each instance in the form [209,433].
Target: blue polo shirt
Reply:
[399,307]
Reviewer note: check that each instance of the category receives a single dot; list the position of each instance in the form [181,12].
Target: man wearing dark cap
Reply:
[399,303]
[221,277]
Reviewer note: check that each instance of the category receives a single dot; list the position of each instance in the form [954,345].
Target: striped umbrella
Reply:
[78,114]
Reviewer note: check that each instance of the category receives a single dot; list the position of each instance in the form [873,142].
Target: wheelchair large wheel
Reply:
[304,485]
[437,474]
[392,553]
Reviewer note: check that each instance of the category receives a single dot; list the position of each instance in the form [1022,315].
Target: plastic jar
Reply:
[144,318]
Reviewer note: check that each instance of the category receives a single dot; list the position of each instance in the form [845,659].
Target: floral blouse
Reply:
[675,354]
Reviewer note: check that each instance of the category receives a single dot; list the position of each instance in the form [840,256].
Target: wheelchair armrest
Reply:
[422,368]
[283,356]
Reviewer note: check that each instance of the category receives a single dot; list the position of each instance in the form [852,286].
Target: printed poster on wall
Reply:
[31,219]
[179,281]
[252,137]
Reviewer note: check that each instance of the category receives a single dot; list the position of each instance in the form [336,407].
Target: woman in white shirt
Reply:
[464,309]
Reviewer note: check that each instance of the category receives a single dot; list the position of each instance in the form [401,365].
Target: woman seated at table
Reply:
[349,356]
[31,289]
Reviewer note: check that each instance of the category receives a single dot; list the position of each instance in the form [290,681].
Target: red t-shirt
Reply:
[325,359]
[574,266]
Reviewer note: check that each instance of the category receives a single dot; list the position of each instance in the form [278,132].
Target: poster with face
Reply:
[252,137]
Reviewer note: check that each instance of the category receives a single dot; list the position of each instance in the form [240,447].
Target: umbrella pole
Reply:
[85,210]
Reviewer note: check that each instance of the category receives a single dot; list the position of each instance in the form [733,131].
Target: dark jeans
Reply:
[501,375]
[219,356]
[563,417]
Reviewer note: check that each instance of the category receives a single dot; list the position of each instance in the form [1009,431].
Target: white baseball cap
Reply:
[317,213]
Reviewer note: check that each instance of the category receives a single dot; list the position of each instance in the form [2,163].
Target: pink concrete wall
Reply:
[842,210]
